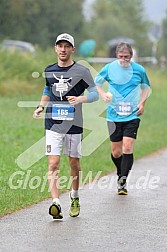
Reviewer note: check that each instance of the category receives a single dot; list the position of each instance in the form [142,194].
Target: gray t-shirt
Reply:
[60,116]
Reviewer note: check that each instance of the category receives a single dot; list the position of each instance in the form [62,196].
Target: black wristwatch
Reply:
[40,106]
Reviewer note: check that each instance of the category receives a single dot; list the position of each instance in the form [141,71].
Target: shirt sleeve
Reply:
[93,95]
[46,91]
[88,79]
[101,76]
[91,88]
[145,81]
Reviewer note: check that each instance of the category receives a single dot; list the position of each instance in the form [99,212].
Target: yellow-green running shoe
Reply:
[122,190]
[55,211]
[74,207]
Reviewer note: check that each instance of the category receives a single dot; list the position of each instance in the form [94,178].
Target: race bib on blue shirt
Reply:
[124,108]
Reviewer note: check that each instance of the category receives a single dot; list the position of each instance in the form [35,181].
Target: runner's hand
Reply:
[106,97]
[37,112]
[74,100]
[140,110]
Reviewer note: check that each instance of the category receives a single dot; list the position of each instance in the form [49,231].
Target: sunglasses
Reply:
[119,56]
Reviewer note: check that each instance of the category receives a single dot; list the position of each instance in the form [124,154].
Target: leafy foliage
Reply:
[40,21]
[119,18]
[164,37]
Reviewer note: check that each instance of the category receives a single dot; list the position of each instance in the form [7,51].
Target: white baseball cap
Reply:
[66,37]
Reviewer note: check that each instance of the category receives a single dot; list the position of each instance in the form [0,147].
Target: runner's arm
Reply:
[144,95]
[105,96]
[44,100]
[92,96]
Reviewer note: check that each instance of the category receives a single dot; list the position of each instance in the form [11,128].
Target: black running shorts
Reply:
[118,130]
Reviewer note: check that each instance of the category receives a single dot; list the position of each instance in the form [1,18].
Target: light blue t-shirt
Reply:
[126,85]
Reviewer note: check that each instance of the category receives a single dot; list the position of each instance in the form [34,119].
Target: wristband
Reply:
[40,106]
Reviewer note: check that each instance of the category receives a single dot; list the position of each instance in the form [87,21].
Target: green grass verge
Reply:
[19,131]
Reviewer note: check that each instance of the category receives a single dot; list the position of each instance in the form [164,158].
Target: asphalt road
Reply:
[108,222]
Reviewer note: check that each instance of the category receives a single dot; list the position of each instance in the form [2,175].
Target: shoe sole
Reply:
[54,211]
[122,193]
[73,215]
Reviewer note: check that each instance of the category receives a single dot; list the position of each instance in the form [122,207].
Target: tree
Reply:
[40,21]
[119,18]
[164,37]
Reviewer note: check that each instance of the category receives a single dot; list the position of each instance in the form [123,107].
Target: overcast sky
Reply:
[155,10]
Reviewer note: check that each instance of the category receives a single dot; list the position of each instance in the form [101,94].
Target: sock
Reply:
[56,200]
[126,165]
[117,162]
[74,193]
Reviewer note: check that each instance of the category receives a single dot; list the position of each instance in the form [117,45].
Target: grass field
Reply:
[19,131]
